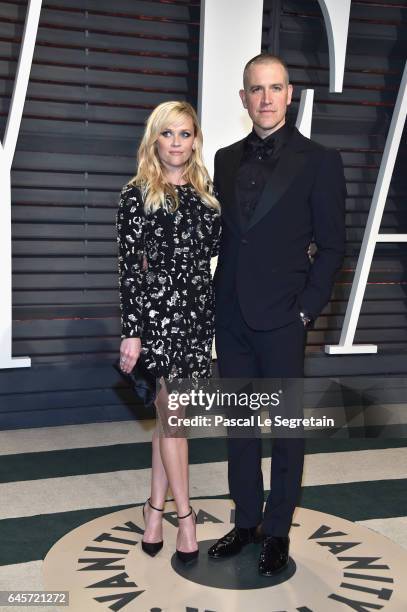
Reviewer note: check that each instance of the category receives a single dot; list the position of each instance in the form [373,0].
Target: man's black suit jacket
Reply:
[265,265]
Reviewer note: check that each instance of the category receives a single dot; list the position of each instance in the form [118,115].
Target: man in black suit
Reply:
[279,191]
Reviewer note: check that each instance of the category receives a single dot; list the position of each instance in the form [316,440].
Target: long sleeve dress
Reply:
[170,306]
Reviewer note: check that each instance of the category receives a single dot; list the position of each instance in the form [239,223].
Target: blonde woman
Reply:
[168,230]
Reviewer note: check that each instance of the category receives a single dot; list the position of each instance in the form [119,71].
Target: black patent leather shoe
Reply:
[233,542]
[274,555]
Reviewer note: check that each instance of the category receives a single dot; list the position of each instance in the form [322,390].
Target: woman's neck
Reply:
[175,177]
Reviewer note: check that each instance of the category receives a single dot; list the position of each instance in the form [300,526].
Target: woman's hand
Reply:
[130,349]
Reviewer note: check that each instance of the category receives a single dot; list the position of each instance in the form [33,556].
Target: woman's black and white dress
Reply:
[170,306]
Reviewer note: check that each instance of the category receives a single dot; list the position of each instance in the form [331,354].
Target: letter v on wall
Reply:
[7,150]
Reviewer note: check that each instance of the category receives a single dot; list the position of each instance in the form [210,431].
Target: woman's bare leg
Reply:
[159,485]
[174,456]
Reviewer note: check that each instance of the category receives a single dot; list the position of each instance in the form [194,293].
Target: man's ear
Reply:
[290,93]
[242,95]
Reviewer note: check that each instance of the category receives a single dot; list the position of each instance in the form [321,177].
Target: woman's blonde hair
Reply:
[157,191]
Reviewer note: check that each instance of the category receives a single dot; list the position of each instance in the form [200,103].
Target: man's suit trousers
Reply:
[242,353]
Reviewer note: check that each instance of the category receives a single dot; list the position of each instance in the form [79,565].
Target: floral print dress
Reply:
[170,305]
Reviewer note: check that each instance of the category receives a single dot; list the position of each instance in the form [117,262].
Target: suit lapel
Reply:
[290,164]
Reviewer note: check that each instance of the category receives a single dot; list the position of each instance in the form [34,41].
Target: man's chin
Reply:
[268,126]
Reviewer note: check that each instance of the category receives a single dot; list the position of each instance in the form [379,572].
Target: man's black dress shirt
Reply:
[259,159]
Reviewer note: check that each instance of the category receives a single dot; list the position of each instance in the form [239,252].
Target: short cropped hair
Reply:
[265,58]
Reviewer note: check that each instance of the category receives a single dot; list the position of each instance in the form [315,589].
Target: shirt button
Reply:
[260,157]
[252,183]
[244,241]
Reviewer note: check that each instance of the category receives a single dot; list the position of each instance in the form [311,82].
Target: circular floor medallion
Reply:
[335,565]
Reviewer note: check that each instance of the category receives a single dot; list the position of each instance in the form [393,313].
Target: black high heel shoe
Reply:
[187,557]
[151,548]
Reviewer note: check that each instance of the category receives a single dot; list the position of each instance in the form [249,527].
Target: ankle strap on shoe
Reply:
[186,515]
[153,507]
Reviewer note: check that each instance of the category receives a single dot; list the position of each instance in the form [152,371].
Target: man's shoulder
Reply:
[312,146]
[298,140]
[232,148]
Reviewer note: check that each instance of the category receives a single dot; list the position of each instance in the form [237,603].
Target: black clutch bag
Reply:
[143,382]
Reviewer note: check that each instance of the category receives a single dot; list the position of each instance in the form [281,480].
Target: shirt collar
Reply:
[279,137]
